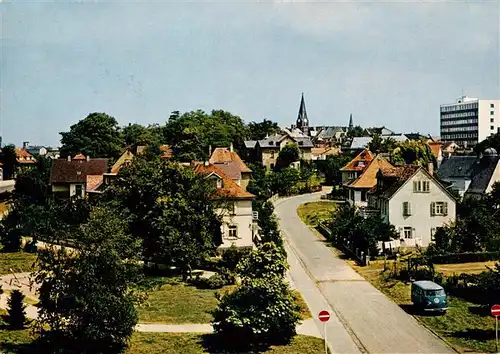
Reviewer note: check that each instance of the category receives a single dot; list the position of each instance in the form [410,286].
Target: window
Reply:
[363,196]
[439,208]
[233,231]
[407,232]
[219,183]
[272,154]
[272,166]
[78,190]
[492,120]
[421,186]
[492,105]
[232,208]
[492,127]
[492,113]
[406,208]
[433,232]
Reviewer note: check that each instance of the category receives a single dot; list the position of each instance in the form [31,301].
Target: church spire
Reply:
[351,125]
[302,120]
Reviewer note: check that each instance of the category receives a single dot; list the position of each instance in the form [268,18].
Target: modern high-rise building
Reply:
[469,120]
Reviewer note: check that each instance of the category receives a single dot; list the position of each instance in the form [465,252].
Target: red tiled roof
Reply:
[435,148]
[80,156]
[394,178]
[223,155]
[24,157]
[76,171]
[230,189]
[230,169]
[360,162]
[93,182]
[368,178]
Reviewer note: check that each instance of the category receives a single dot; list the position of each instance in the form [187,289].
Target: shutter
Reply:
[414,186]
[404,208]
[432,209]
[409,208]
[445,208]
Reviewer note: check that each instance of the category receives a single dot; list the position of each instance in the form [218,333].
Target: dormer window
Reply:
[271,143]
[219,183]
[361,164]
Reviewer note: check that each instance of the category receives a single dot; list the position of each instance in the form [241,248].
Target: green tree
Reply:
[135,135]
[266,261]
[258,131]
[262,310]
[171,209]
[493,141]
[9,161]
[87,293]
[287,155]
[376,144]
[259,183]
[330,168]
[97,135]
[16,310]
[356,131]
[267,222]
[284,181]
[191,134]
[416,152]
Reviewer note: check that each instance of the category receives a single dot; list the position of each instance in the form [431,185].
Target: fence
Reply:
[359,256]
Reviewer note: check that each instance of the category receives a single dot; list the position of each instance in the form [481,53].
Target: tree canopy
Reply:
[258,131]
[287,155]
[135,135]
[191,134]
[97,135]
[9,161]
[171,209]
[416,152]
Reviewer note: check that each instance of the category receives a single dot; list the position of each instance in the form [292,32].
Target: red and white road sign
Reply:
[495,310]
[324,316]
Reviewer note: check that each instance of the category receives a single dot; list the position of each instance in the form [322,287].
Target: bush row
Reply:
[449,258]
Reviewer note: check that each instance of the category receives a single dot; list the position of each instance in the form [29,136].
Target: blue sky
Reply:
[388,63]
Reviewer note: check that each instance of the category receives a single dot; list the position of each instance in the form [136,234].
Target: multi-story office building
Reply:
[469,120]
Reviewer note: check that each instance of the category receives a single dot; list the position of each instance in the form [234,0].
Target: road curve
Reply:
[373,323]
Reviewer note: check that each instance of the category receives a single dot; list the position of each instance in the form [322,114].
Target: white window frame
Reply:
[439,208]
[407,232]
[219,183]
[232,232]
[406,209]
[421,186]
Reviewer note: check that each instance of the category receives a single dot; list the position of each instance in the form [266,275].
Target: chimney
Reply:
[69,158]
[209,151]
[231,148]
[430,168]
[25,144]
[88,157]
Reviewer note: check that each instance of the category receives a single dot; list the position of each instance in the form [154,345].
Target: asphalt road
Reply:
[364,319]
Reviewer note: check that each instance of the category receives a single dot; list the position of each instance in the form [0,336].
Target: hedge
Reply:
[468,257]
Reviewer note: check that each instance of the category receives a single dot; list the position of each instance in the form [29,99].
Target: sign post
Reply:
[495,311]
[324,316]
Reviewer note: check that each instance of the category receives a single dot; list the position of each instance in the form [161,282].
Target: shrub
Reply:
[262,311]
[16,310]
[232,256]
[215,281]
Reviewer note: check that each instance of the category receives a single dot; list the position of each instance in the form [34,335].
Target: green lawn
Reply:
[313,212]
[17,261]
[192,343]
[152,343]
[465,326]
[175,302]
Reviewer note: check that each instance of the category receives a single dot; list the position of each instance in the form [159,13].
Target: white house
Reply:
[409,198]
[239,227]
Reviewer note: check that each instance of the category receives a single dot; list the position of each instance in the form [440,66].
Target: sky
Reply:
[388,63]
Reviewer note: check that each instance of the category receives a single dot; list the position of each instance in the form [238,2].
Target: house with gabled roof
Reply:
[238,225]
[358,188]
[228,160]
[471,176]
[76,176]
[412,200]
[267,150]
[356,166]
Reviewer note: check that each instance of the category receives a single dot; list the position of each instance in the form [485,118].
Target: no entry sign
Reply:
[324,316]
[495,310]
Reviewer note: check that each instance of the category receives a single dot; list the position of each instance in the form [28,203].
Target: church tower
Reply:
[351,125]
[302,120]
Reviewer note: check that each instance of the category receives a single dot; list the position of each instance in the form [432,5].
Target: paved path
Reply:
[308,327]
[364,320]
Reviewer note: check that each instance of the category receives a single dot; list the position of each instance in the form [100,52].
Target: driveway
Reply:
[363,319]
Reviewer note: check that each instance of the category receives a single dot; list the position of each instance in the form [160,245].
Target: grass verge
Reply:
[305,313]
[466,326]
[193,343]
[17,261]
[312,213]
[175,302]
